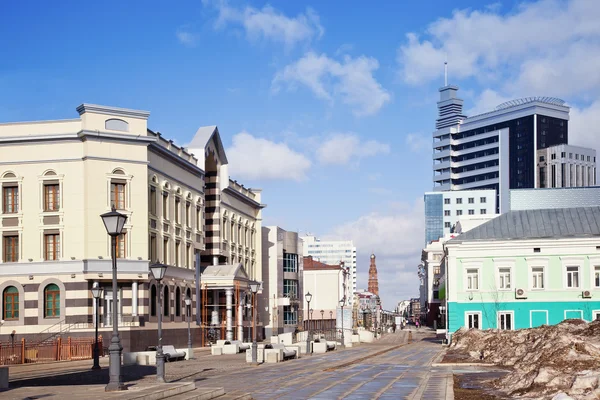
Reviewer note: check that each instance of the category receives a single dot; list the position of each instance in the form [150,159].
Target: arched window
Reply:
[153,301]
[177,302]
[52,301]
[11,303]
[166,301]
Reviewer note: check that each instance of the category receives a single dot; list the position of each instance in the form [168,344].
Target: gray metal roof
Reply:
[537,224]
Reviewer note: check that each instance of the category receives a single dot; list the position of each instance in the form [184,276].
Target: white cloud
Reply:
[186,37]
[396,237]
[487,100]
[418,142]
[256,158]
[548,47]
[351,80]
[270,24]
[583,126]
[343,148]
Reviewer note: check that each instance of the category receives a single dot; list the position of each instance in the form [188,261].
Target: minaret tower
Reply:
[373,282]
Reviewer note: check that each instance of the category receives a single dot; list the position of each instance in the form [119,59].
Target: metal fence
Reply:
[56,350]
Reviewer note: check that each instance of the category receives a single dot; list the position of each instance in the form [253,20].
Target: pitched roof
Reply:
[537,224]
[309,264]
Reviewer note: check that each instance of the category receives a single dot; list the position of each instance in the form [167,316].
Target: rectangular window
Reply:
[572,277]
[290,262]
[570,155]
[51,197]
[51,247]
[562,154]
[121,252]
[537,277]
[553,157]
[436,295]
[437,270]
[187,255]
[473,320]
[554,176]
[505,320]
[472,279]
[504,278]
[153,249]
[198,224]
[577,156]
[447,225]
[177,252]
[471,200]
[471,212]
[458,212]
[11,248]
[482,199]
[542,177]
[563,175]
[10,204]
[152,204]
[165,205]
[117,195]
[290,316]
[188,216]
[165,251]
[459,201]
[446,201]
[483,211]
[446,213]
[542,158]
[177,210]
[290,288]
[597,276]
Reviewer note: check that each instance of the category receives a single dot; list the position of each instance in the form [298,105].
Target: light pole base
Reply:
[96,367]
[115,387]
[190,353]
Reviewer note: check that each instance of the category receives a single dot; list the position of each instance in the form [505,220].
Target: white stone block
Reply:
[216,350]
[260,355]
[285,338]
[319,347]
[233,348]
[273,355]
[355,338]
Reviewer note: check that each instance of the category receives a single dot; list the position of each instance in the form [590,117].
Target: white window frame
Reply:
[469,313]
[510,277]
[531,277]
[512,319]
[531,316]
[566,279]
[579,311]
[594,263]
[537,262]
[595,315]
[478,269]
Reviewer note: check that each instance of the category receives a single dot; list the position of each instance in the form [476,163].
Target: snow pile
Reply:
[544,360]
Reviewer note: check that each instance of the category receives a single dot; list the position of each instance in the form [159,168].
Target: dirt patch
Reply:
[544,360]
[465,391]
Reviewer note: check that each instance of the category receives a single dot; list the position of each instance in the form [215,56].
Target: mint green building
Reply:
[525,269]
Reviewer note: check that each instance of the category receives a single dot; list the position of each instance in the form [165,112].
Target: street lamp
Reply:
[308,298]
[342,301]
[322,320]
[96,293]
[158,272]
[254,289]
[114,222]
[374,318]
[188,306]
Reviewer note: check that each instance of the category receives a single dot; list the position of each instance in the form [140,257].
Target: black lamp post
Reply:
[322,320]
[342,301]
[308,297]
[188,306]
[331,315]
[158,272]
[114,222]
[254,290]
[97,294]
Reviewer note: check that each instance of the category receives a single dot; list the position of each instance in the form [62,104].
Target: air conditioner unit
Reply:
[520,294]
[586,294]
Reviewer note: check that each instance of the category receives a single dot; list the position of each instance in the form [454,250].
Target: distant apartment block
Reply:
[564,166]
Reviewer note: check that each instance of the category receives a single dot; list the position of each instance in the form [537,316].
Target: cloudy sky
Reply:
[326,106]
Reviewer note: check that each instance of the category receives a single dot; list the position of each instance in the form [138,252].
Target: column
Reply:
[214,316]
[229,305]
[240,317]
[134,298]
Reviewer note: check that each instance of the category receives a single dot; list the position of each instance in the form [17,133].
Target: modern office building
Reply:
[332,252]
[59,176]
[532,199]
[444,209]
[282,294]
[498,149]
[564,166]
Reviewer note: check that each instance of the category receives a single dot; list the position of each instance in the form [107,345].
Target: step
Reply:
[238,396]
[202,393]
[161,391]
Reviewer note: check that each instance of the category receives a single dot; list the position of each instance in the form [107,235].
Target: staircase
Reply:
[50,333]
[183,391]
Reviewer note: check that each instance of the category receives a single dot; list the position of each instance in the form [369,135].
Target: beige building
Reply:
[58,177]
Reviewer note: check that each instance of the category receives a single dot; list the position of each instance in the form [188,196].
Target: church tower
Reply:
[373,282]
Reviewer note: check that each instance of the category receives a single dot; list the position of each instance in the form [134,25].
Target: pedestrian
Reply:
[394,327]
[417,324]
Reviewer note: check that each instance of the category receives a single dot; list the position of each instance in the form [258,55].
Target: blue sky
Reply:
[337,97]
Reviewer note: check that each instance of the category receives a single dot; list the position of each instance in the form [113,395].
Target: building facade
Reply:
[498,149]
[325,282]
[332,252]
[563,166]
[58,177]
[531,199]
[431,257]
[525,269]
[283,280]
[444,209]
[373,286]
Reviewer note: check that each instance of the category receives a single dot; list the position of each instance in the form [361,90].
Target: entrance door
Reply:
[108,307]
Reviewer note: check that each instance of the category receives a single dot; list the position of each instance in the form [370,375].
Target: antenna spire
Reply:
[445,73]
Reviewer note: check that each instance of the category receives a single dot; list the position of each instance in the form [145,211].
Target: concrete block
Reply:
[274,339]
[216,350]
[355,338]
[260,355]
[3,377]
[285,338]
[320,347]
[273,355]
[366,336]
[143,359]
[233,348]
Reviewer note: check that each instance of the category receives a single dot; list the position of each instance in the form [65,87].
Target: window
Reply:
[52,301]
[165,205]
[562,154]
[198,224]
[290,316]
[458,212]
[152,205]
[572,277]
[153,301]
[553,157]
[437,270]
[446,201]
[51,246]
[177,302]
[447,225]
[177,210]
[473,320]
[436,295]
[472,279]
[11,248]
[588,158]
[10,204]
[166,251]
[446,213]
[597,276]
[577,156]
[166,300]
[537,277]
[505,320]
[570,155]
[121,253]
[542,177]
[482,199]
[471,200]
[153,249]
[459,201]
[290,262]
[554,176]
[542,158]
[290,288]
[187,255]
[483,211]
[177,252]
[51,197]
[11,303]
[117,195]
[504,278]
[188,216]
[471,212]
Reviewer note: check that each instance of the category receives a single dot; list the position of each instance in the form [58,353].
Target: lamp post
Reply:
[308,298]
[331,315]
[114,222]
[342,301]
[188,306]
[322,320]
[158,272]
[254,289]
[96,293]
[374,318]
